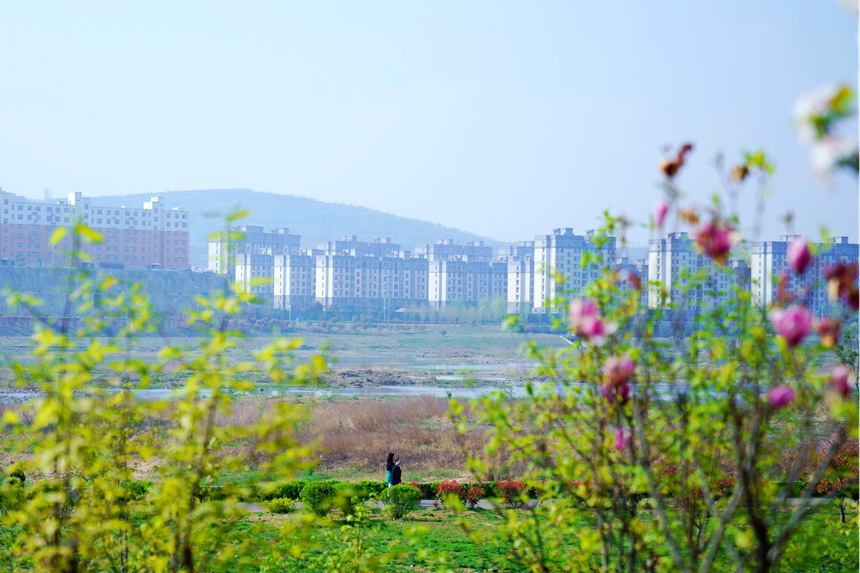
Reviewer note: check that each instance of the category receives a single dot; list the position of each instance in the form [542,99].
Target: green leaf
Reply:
[237,215]
[843,100]
[88,234]
[58,235]
[759,160]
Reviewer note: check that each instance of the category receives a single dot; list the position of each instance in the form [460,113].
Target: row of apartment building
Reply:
[357,275]
[151,236]
[352,274]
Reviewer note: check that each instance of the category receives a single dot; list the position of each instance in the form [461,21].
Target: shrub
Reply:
[373,487]
[212,493]
[289,490]
[428,490]
[448,488]
[468,493]
[318,497]
[281,505]
[471,494]
[12,494]
[136,490]
[402,499]
[348,496]
[512,492]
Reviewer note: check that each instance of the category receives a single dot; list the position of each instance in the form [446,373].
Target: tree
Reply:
[714,428]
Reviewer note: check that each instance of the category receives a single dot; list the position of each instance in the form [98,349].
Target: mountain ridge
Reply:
[316,221]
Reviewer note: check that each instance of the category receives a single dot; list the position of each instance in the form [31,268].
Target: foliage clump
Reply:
[319,497]
[402,499]
[281,505]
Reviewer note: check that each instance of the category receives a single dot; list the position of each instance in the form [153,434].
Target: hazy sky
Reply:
[502,118]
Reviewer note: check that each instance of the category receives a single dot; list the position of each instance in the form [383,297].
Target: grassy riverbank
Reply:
[363,355]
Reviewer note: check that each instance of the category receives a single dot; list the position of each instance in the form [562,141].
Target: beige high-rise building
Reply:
[151,236]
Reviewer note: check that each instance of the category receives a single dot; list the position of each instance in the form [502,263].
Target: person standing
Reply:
[395,472]
[389,467]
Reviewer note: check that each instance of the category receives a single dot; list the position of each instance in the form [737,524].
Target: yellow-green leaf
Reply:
[58,235]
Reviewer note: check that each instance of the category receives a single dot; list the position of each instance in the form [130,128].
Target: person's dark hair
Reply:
[389,461]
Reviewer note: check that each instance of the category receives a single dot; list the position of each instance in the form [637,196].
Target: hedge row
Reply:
[510,491]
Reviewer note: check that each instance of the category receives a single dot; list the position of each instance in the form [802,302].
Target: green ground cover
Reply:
[433,539]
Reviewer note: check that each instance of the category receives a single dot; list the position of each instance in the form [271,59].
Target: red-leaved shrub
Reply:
[512,492]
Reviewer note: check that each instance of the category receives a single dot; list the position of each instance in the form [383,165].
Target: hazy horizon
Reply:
[500,119]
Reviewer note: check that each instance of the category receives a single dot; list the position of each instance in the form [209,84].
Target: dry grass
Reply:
[356,436]
[351,437]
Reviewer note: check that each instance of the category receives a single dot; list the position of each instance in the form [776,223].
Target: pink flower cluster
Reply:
[842,284]
[585,321]
[617,372]
[840,380]
[799,256]
[716,240]
[780,397]
[660,211]
[622,439]
[792,323]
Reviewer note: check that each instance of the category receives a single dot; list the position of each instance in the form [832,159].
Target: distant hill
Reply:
[316,221]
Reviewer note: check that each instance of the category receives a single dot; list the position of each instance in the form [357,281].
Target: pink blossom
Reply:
[585,321]
[660,211]
[799,255]
[716,241]
[791,323]
[615,392]
[580,310]
[839,380]
[622,439]
[780,397]
[618,369]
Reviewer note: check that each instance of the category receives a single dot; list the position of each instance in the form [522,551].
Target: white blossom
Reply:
[826,154]
[809,105]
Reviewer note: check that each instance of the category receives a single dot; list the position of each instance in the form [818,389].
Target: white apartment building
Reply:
[335,280]
[293,284]
[247,254]
[253,273]
[415,280]
[672,259]
[520,292]
[447,249]
[626,268]
[225,249]
[350,245]
[464,281]
[768,261]
[520,287]
[370,282]
[562,253]
[361,275]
